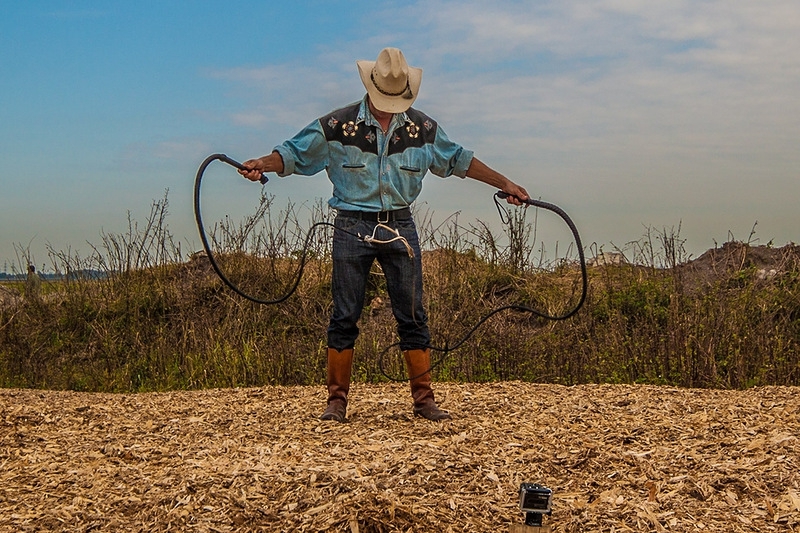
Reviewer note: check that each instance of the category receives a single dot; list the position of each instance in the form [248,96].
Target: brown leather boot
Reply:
[417,362]
[339,365]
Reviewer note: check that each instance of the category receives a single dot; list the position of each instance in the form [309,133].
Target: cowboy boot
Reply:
[339,365]
[417,362]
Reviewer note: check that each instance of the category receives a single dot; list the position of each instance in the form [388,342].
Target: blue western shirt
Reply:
[370,170]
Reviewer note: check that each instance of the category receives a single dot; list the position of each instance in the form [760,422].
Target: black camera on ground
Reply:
[535,501]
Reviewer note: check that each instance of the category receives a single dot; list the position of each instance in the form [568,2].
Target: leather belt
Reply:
[377,216]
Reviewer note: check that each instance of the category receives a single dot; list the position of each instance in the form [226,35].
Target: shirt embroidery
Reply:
[349,129]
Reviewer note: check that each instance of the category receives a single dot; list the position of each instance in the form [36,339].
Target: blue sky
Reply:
[628,114]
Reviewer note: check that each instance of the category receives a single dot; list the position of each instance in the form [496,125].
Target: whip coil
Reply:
[303,258]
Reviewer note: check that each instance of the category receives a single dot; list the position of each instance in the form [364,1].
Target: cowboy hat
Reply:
[391,84]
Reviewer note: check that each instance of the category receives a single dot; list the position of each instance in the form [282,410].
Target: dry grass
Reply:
[135,317]
[618,457]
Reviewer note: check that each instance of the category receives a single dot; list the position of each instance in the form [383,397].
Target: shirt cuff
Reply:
[463,161]
[288,160]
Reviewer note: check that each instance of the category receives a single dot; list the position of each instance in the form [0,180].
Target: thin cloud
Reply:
[642,73]
[286,95]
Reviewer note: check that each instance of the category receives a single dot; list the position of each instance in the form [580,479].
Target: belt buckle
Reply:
[388,216]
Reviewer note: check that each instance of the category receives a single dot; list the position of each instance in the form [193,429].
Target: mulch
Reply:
[618,458]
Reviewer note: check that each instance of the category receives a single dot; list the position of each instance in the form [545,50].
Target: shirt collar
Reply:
[365,116]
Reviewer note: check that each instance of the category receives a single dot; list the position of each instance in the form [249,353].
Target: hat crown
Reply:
[392,85]
[390,73]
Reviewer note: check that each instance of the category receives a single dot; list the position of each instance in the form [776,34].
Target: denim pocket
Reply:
[405,224]
[415,170]
[345,223]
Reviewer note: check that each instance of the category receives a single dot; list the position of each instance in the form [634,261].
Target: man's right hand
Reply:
[255,167]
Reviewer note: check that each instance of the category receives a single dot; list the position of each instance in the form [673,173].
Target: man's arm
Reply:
[269,163]
[480,171]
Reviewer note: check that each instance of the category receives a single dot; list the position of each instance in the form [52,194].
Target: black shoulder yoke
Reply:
[341,126]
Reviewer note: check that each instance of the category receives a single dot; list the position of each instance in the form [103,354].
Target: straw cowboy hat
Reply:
[391,84]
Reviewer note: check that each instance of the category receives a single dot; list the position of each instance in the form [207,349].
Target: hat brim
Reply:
[389,104]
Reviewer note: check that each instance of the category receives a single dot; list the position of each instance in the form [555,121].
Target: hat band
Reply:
[405,93]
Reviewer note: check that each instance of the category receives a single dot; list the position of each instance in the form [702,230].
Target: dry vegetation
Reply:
[729,319]
[618,458]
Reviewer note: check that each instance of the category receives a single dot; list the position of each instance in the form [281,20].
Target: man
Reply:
[33,284]
[376,153]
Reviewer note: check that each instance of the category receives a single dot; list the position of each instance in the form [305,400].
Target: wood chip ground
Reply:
[618,459]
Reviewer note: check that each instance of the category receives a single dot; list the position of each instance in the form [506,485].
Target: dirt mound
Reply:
[624,458]
[734,258]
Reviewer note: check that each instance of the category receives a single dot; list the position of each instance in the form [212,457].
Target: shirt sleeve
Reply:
[306,153]
[449,158]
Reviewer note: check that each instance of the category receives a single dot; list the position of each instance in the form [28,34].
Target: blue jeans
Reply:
[352,260]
